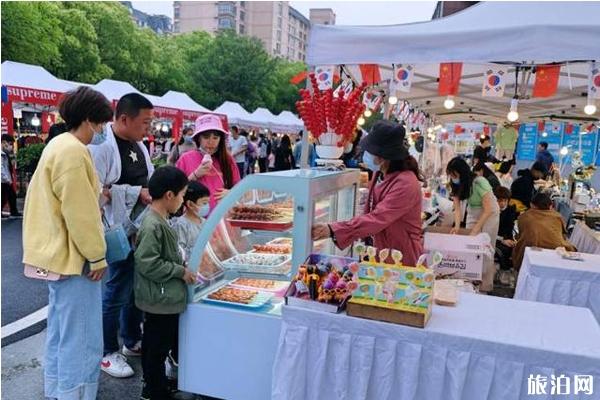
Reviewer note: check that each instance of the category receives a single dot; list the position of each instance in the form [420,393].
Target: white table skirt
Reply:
[484,348]
[546,277]
[585,239]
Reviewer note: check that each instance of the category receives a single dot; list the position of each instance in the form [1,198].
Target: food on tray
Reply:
[280,241]
[324,282]
[258,259]
[255,213]
[255,283]
[273,248]
[233,295]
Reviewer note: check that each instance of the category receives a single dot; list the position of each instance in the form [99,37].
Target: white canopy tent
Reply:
[236,114]
[262,118]
[182,101]
[286,121]
[509,33]
[114,90]
[32,76]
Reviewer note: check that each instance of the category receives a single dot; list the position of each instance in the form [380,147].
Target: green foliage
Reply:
[29,156]
[90,41]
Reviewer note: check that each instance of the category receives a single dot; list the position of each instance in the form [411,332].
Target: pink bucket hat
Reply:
[209,122]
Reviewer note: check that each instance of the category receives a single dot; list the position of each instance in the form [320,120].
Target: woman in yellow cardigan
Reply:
[62,232]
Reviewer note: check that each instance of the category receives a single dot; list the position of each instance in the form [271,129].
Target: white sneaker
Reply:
[135,351]
[115,364]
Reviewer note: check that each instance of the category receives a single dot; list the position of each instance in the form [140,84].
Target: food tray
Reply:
[261,251]
[280,241]
[278,289]
[281,267]
[259,300]
[280,225]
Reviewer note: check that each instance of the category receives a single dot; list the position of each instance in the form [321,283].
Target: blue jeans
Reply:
[119,313]
[74,339]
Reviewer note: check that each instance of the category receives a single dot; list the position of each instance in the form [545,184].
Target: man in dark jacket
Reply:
[505,241]
[523,188]
[544,156]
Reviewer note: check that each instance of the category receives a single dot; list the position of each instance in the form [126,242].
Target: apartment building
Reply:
[282,29]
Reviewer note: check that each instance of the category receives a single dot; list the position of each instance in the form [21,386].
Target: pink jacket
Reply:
[392,216]
[191,160]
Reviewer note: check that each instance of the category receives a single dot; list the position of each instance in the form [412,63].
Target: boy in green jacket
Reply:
[160,278]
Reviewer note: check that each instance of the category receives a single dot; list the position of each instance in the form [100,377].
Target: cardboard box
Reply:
[463,255]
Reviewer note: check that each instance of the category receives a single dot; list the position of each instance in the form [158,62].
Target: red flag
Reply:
[450,74]
[541,126]
[569,129]
[370,73]
[546,80]
[296,79]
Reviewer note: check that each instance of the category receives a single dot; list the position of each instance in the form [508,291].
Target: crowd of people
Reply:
[98,175]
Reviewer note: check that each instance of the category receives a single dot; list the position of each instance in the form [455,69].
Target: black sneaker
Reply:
[145,393]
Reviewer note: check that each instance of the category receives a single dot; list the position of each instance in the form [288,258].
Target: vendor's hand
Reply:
[320,231]
[96,275]
[221,193]
[509,242]
[454,231]
[202,170]
[106,193]
[145,197]
[189,277]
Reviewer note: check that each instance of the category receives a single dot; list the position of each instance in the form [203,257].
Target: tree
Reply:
[80,56]
[31,33]
[285,93]
[233,68]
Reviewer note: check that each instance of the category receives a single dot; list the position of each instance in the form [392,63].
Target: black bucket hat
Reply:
[386,140]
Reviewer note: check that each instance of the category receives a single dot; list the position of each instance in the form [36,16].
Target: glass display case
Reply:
[249,248]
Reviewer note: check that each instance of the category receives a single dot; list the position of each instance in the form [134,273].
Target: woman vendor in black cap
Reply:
[392,214]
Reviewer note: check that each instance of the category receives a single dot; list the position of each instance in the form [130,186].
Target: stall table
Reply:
[585,239]
[484,348]
[546,277]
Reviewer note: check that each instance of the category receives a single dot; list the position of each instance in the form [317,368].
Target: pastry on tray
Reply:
[233,295]
[255,213]
[272,248]
[258,259]
[256,283]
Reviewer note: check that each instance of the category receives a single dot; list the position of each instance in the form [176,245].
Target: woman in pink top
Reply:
[211,164]
[392,215]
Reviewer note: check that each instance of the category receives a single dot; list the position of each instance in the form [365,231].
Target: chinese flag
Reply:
[569,129]
[546,80]
[450,74]
[541,126]
[370,73]
[296,79]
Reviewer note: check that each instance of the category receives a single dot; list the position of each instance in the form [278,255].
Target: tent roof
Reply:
[486,32]
[114,90]
[236,114]
[32,76]
[262,117]
[182,101]
[288,121]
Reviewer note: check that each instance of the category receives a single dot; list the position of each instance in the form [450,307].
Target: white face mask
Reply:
[369,160]
[203,211]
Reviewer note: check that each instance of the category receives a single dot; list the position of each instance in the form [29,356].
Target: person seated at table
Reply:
[540,226]
[505,241]
[523,188]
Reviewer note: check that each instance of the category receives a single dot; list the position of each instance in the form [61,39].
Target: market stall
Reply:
[236,114]
[32,96]
[548,277]
[585,239]
[247,252]
[286,122]
[261,118]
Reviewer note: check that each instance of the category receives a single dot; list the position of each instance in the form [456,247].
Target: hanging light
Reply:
[564,151]
[429,130]
[590,107]
[444,130]
[49,119]
[392,100]
[449,102]
[165,128]
[544,134]
[368,113]
[483,136]
[35,121]
[513,114]
[361,121]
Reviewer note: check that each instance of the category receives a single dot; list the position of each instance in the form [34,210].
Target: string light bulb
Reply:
[361,121]
[368,113]
[35,121]
[393,100]
[513,114]
[590,108]
[449,103]
[564,151]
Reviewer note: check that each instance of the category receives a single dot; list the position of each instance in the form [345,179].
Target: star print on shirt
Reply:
[133,156]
